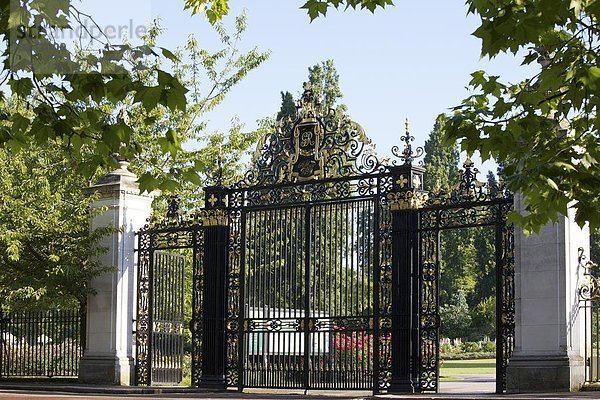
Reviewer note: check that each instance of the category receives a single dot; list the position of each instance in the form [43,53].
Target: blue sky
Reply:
[411,60]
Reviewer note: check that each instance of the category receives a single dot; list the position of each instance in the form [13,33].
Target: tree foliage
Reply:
[325,82]
[161,132]
[288,107]
[64,90]
[544,129]
[103,101]
[441,159]
[455,316]
[46,247]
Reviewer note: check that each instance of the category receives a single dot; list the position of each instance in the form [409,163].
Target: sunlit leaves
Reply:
[316,8]
[46,246]
[162,126]
[67,89]
[215,10]
[545,128]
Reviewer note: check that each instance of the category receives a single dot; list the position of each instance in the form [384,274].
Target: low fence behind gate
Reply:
[589,310]
[41,344]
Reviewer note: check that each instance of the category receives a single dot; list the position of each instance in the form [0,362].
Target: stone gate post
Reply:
[108,356]
[548,325]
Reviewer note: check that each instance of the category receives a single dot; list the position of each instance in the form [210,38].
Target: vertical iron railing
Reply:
[591,312]
[41,344]
[167,317]
[308,316]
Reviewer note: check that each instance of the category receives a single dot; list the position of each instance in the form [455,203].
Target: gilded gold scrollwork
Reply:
[407,200]
[215,217]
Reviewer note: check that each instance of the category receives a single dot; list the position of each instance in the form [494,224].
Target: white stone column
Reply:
[108,356]
[549,327]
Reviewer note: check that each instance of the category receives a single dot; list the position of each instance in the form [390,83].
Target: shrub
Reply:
[449,349]
[470,347]
[489,347]
[468,356]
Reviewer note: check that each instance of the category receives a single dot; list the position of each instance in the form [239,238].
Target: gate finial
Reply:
[407,155]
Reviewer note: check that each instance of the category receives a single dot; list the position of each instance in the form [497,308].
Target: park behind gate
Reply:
[318,270]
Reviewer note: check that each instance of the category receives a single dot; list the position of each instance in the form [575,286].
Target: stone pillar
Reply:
[549,327]
[108,356]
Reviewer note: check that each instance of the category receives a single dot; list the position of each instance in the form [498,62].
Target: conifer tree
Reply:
[288,107]
[325,81]
[441,160]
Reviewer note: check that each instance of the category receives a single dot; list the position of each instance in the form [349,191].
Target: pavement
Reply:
[461,387]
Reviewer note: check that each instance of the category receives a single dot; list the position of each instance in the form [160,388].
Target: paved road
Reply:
[470,384]
[474,387]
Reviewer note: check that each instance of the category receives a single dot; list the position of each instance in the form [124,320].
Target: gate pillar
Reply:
[108,355]
[549,326]
[405,199]
[214,291]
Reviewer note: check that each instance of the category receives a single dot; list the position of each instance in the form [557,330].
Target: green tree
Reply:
[325,81]
[69,91]
[46,247]
[161,132]
[544,129]
[441,159]
[483,320]
[57,84]
[455,316]
[45,243]
[288,107]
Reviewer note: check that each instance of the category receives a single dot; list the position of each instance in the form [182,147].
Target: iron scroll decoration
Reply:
[318,144]
[590,288]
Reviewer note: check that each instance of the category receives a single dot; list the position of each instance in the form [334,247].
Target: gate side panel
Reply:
[430,312]
[167,317]
[143,320]
[505,325]
[383,283]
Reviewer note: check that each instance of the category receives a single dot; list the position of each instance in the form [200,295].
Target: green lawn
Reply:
[451,368]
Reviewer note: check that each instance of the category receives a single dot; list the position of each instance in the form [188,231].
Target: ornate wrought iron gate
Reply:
[472,204]
[163,248]
[309,259]
[320,268]
[307,317]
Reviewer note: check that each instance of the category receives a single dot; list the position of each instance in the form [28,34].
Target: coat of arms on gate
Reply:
[308,158]
[318,144]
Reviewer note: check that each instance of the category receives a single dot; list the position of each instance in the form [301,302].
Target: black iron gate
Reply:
[308,310]
[471,204]
[166,309]
[164,248]
[320,268]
